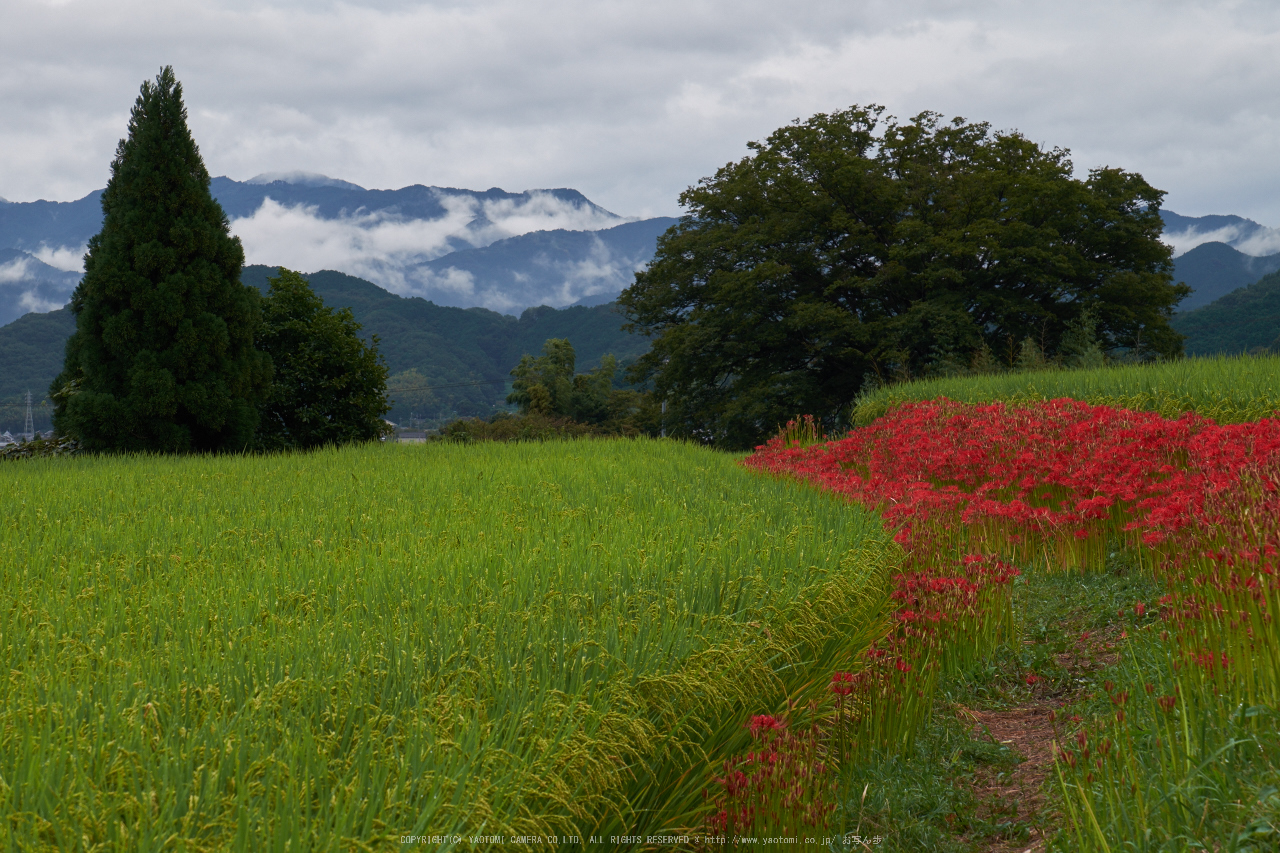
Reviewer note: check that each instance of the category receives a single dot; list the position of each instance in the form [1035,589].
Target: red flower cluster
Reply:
[1056,468]
[782,783]
[967,487]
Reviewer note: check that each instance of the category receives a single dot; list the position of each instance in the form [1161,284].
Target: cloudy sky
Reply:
[630,102]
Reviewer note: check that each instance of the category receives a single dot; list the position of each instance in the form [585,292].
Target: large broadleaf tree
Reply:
[850,248]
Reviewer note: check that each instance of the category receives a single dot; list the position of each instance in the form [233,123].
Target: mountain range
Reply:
[462,248]
[493,249]
[1245,320]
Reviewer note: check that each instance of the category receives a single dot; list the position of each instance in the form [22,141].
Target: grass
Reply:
[332,650]
[1229,389]
[942,795]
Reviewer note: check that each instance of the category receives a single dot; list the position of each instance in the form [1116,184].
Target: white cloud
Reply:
[15,270]
[424,282]
[297,237]
[379,246]
[66,258]
[599,272]
[30,302]
[1187,239]
[1249,239]
[633,102]
[1264,241]
[542,211]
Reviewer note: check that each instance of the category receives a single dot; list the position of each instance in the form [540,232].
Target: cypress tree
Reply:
[162,358]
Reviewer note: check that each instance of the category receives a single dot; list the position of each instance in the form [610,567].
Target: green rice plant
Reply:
[1229,389]
[336,649]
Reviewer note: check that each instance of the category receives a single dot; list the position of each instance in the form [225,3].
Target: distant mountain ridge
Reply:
[1185,233]
[1215,269]
[464,248]
[1244,320]
[397,238]
[28,285]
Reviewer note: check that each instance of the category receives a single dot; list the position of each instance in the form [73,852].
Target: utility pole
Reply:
[29,430]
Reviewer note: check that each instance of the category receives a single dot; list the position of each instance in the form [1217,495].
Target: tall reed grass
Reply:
[1229,389]
[335,649]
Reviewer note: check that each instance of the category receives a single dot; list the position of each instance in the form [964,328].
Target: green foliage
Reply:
[328,387]
[1079,347]
[1202,773]
[1030,356]
[505,426]
[55,446]
[410,392]
[547,386]
[1229,389]
[453,348]
[32,349]
[223,653]
[1245,320]
[921,801]
[466,354]
[841,249]
[162,357]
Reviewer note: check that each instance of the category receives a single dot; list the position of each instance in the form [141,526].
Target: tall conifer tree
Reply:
[163,356]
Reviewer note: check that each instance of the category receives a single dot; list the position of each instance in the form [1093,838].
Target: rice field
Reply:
[334,650]
[1229,389]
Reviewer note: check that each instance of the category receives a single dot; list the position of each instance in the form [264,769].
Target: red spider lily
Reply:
[842,683]
[765,721]
[1052,482]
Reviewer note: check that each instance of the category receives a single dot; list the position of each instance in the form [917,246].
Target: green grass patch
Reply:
[1068,627]
[339,648]
[921,801]
[1229,389]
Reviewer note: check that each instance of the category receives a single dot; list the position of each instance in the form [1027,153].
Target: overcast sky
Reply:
[630,102]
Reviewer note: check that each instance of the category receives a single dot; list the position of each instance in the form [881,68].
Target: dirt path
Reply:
[1018,795]
[1030,731]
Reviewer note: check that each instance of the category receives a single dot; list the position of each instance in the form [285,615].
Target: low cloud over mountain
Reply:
[466,248]
[1185,233]
[404,240]
[27,285]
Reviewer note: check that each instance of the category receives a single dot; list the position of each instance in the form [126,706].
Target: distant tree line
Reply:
[171,352]
[553,401]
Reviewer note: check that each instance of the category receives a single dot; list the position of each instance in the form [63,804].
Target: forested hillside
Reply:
[1242,321]
[446,346]
[1215,269]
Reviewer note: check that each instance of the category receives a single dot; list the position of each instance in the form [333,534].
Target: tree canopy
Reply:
[547,385]
[162,357]
[850,248]
[328,386]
